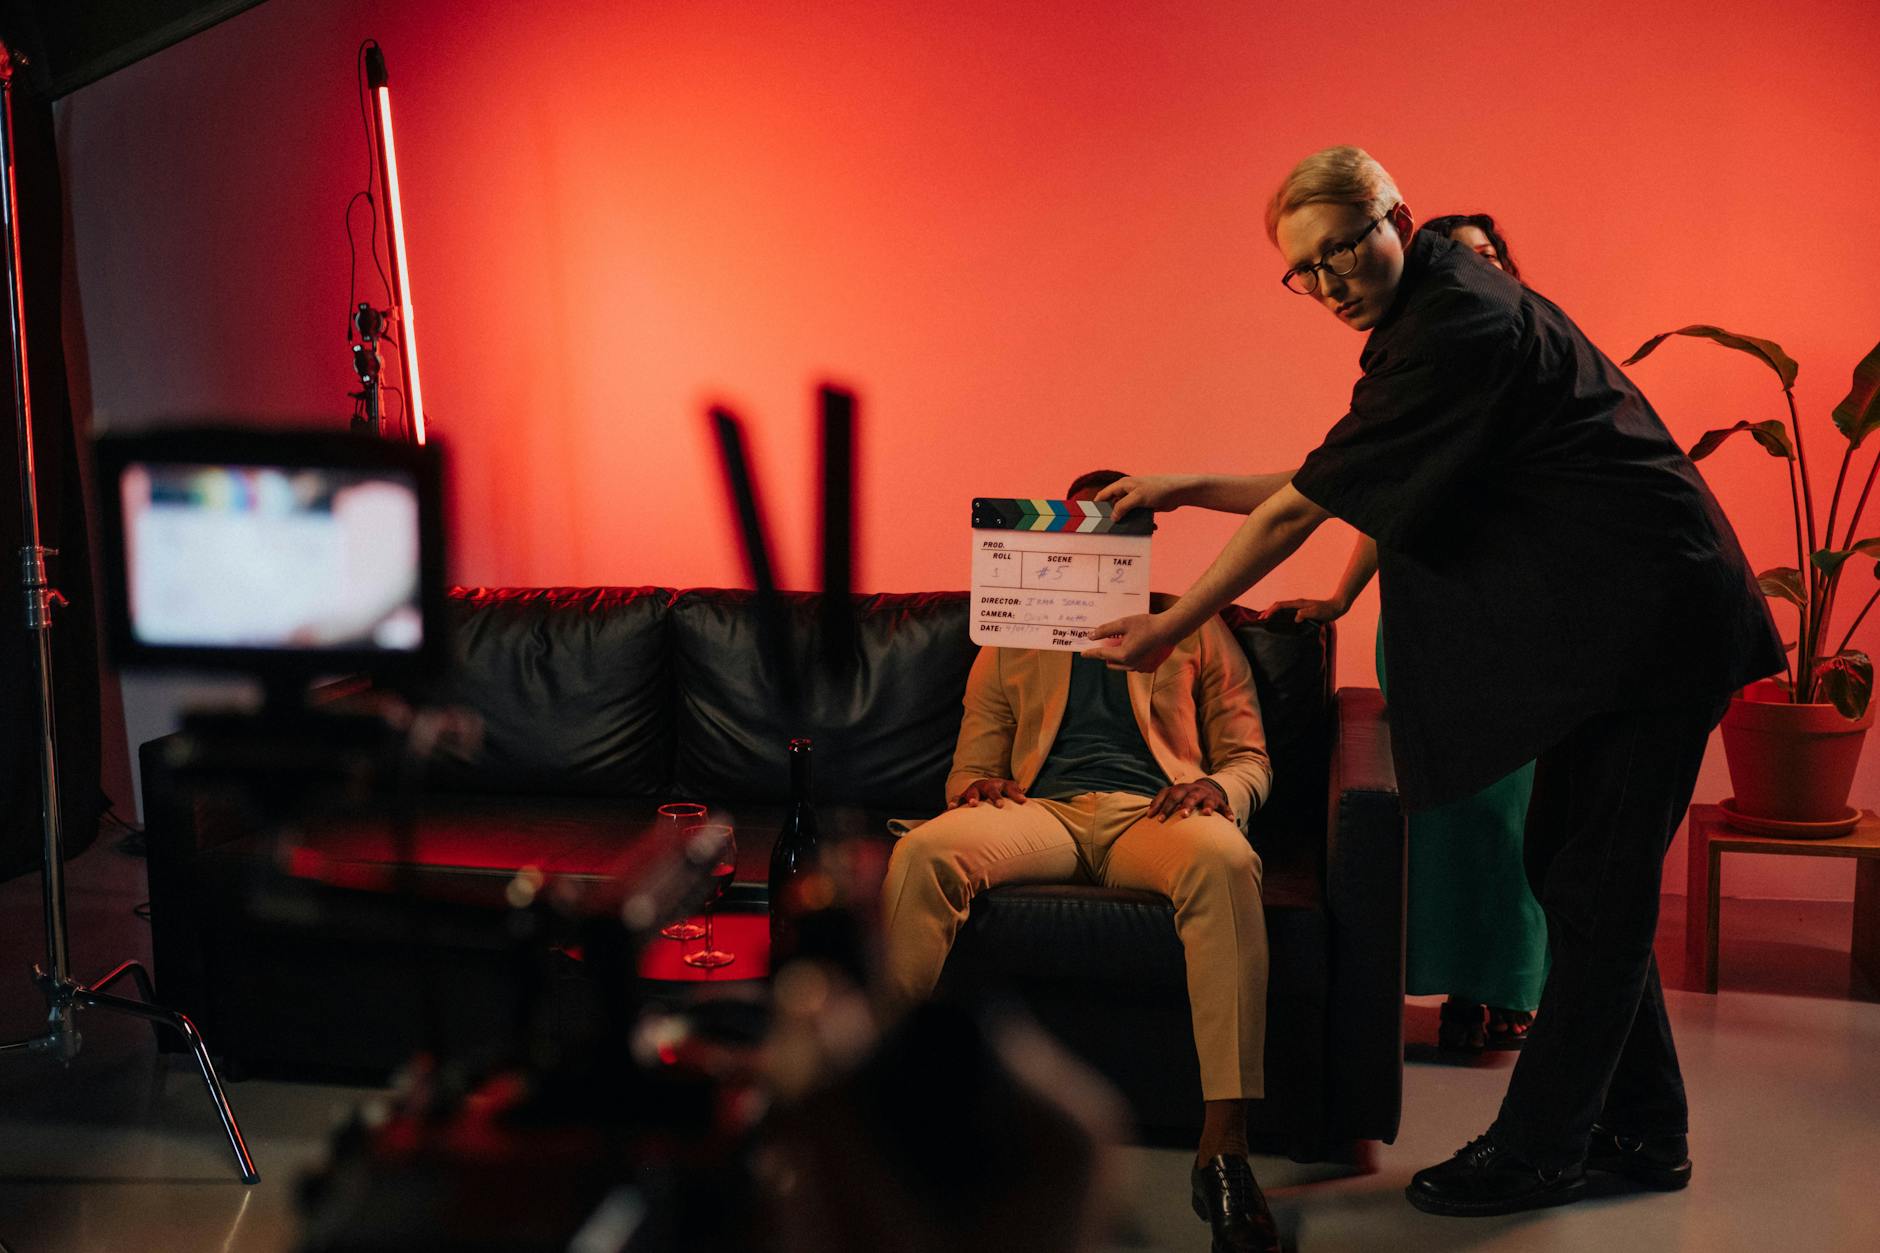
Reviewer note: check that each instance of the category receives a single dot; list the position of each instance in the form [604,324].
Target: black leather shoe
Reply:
[1662,1163]
[1483,1179]
[1229,1201]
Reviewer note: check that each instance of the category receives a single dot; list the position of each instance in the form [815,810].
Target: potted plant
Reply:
[1792,742]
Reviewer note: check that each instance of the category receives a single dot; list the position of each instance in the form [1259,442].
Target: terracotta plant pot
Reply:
[1791,763]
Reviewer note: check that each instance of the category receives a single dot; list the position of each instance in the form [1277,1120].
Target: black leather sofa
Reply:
[598,704]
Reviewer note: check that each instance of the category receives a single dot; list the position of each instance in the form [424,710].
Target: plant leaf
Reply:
[1767,351]
[1783,583]
[1772,435]
[1860,412]
[1846,679]
[1830,560]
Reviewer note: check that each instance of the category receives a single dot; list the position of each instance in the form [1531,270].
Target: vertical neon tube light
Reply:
[401,276]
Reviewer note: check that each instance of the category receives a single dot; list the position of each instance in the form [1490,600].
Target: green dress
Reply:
[1474,931]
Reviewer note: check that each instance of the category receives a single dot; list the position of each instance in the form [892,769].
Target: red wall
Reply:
[1028,234]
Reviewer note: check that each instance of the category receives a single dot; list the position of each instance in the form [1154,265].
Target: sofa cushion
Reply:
[884,717]
[572,685]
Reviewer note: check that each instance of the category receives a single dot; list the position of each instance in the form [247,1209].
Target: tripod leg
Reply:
[135,971]
[181,1024]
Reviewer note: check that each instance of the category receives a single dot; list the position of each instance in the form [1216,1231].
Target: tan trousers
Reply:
[1203,864]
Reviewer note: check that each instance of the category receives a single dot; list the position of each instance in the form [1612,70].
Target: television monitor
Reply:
[285,555]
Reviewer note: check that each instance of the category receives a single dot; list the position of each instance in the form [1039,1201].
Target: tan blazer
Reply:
[1197,711]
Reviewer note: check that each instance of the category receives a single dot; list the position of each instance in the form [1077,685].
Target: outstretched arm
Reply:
[1270,534]
[1358,570]
[1226,493]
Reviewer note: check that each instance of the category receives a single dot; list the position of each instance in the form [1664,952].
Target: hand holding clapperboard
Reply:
[1046,571]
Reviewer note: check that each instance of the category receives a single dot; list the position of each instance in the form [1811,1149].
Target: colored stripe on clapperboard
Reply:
[1083,517]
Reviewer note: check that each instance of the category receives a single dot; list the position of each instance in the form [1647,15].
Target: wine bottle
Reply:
[792,858]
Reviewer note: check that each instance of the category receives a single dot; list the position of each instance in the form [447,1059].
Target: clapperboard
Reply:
[1046,571]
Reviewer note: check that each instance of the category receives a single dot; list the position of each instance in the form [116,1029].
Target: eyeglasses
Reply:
[1339,259]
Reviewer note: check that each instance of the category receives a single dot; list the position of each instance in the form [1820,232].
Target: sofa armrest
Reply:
[1366,865]
[175,831]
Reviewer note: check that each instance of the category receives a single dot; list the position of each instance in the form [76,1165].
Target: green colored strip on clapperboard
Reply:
[1022,513]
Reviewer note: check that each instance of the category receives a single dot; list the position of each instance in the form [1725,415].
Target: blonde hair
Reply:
[1333,176]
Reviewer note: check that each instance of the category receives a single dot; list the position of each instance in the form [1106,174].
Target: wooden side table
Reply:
[1711,837]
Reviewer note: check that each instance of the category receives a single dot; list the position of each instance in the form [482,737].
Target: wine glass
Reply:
[702,840]
[675,820]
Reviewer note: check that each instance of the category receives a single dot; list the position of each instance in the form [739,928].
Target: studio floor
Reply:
[122,1151]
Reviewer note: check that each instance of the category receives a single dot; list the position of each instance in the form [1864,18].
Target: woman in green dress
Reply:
[1475,932]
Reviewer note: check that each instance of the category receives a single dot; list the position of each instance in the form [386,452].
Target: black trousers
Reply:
[1607,801]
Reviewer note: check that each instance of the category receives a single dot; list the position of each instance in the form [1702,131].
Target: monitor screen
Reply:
[312,545]
[260,556]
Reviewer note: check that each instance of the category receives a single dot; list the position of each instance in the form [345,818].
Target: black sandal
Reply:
[1459,1028]
[1508,1028]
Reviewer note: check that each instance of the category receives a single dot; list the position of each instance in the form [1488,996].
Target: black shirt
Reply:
[1546,552]
[1099,747]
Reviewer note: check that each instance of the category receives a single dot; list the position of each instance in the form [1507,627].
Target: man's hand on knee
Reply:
[998,791]
[1184,800]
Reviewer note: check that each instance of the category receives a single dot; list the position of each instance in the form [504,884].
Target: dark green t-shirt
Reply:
[1099,747]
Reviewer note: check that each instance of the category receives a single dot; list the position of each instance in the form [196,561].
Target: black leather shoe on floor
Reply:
[1659,1162]
[1483,1179]
[1229,1201]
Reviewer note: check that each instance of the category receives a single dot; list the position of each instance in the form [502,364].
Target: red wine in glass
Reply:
[674,821]
[722,875]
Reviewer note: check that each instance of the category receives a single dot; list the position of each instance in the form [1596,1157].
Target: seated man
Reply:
[1068,771]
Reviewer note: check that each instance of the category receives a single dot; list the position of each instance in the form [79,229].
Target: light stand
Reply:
[368,323]
[64,995]
[387,158]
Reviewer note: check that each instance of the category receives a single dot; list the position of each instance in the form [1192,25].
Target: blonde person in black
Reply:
[1562,588]
[1474,931]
